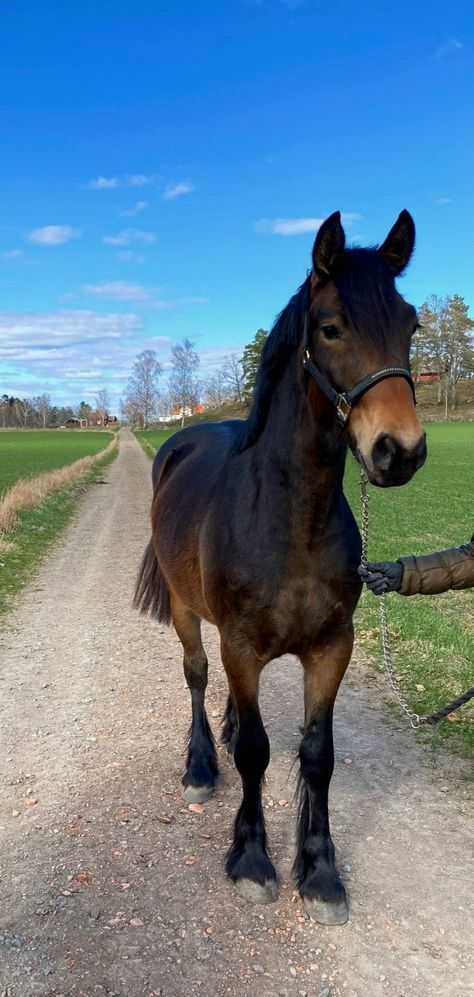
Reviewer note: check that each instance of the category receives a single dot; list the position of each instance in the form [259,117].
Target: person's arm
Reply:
[435,573]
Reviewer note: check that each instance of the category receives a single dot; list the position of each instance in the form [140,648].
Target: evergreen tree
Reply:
[251,359]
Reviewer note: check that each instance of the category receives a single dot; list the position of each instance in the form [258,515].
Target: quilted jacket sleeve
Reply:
[434,573]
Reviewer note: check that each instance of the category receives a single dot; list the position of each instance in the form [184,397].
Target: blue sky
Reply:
[165,166]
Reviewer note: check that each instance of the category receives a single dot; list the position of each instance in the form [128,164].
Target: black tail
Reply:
[151,591]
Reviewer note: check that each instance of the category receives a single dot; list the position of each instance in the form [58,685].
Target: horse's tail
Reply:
[151,591]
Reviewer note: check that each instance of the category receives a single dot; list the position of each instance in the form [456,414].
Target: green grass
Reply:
[27,453]
[37,530]
[432,636]
[152,439]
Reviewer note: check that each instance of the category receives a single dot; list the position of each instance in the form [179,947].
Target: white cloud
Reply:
[128,235]
[102,183]
[443,200]
[12,254]
[120,290]
[137,208]
[297,226]
[173,190]
[111,183]
[450,45]
[53,235]
[130,256]
[138,180]
[72,354]
[33,334]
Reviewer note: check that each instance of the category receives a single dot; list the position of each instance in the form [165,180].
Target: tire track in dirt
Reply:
[110,885]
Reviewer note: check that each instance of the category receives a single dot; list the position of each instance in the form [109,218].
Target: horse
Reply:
[251,531]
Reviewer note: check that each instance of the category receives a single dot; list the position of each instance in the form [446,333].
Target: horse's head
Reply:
[359,326]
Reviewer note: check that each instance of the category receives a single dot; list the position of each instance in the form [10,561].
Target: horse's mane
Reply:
[280,344]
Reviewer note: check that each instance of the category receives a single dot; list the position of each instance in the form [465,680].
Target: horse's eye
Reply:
[330,331]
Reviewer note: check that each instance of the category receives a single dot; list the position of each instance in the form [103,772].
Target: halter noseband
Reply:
[345,400]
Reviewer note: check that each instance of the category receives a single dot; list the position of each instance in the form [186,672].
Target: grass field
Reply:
[152,439]
[432,637]
[39,527]
[27,453]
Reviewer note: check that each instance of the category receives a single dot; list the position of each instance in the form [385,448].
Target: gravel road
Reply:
[111,885]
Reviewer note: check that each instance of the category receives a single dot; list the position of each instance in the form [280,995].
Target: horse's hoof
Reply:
[326,913]
[197,794]
[257,893]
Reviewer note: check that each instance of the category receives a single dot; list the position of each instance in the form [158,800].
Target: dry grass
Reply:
[29,492]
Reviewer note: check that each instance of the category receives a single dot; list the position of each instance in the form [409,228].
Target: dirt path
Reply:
[110,885]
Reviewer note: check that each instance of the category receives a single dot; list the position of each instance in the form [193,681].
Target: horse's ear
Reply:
[328,247]
[399,244]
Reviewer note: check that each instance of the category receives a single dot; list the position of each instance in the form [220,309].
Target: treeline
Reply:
[444,345]
[39,412]
[148,399]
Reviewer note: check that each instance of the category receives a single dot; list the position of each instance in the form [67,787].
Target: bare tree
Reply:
[23,410]
[184,386]
[215,389]
[42,407]
[234,376]
[102,402]
[142,394]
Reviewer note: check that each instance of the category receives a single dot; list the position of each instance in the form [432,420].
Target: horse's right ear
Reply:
[328,247]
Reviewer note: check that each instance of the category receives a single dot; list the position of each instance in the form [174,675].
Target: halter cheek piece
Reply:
[344,401]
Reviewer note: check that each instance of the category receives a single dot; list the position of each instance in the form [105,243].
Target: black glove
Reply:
[381,576]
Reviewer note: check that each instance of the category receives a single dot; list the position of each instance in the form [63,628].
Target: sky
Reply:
[165,167]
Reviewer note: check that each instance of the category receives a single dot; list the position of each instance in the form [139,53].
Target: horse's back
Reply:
[203,448]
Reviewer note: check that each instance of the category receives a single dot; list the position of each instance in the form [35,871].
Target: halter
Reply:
[345,400]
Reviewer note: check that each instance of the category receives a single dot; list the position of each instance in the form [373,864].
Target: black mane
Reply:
[281,343]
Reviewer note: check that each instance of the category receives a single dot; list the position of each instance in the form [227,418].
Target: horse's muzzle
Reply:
[391,463]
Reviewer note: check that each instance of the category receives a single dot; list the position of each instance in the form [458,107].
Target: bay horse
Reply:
[252,532]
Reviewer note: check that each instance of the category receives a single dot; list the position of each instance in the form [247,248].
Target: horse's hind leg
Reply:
[201,772]
[319,883]
[248,864]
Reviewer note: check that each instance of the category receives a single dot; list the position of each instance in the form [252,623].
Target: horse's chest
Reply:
[302,612]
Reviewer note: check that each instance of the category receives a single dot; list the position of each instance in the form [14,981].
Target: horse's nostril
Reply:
[419,452]
[384,451]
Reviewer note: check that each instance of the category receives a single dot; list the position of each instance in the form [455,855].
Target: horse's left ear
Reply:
[399,244]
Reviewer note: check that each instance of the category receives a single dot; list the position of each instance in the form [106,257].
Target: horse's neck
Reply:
[299,462]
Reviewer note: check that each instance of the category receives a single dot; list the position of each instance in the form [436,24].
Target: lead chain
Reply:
[414,718]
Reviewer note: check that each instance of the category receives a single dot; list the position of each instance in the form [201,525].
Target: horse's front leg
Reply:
[248,864]
[320,886]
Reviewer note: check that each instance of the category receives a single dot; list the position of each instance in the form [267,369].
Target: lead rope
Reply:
[414,718]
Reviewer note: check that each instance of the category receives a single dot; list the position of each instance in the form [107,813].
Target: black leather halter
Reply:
[344,401]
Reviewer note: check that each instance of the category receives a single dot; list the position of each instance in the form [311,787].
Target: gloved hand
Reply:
[381,576]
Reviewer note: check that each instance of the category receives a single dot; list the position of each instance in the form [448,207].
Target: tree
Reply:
[445,341]
[84,411]
[251,360]
[142,394]
[23,409]
[234,376]
[215,389]
[184,386]
[102,402]
[459,351]
[7,411]
[42,406]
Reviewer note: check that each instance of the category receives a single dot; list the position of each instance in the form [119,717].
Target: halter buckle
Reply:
[343,409]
